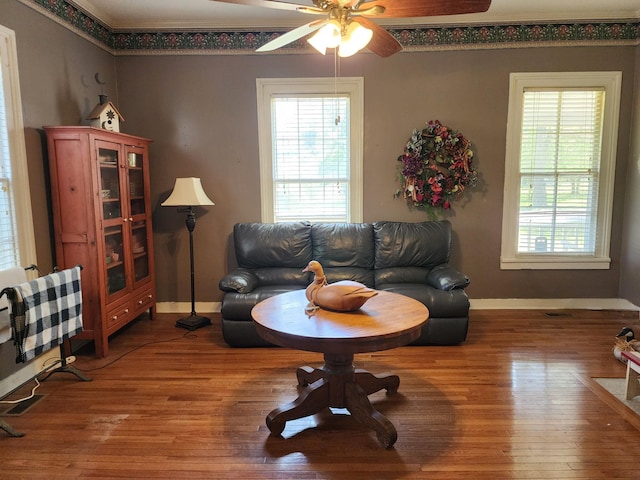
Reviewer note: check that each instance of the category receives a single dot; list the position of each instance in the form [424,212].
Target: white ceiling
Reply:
[191,14]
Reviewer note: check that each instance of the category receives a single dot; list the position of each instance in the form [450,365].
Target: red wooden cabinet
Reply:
[102,220]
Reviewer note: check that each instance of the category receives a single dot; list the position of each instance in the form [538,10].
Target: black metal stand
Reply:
[12,432]
[65,367]
[193,321]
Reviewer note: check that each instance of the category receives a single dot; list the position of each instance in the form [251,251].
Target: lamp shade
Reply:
[327,37]
[355,39]
[187,192]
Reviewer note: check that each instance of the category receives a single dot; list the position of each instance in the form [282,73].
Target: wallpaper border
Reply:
[414,38]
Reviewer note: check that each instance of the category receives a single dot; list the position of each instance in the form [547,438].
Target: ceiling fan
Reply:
[347,25]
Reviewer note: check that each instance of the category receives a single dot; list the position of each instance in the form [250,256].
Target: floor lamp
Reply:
[188,193]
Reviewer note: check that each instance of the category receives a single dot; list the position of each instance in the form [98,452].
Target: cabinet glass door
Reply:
[109,183]
[140,250]
[135,167]
[114,259]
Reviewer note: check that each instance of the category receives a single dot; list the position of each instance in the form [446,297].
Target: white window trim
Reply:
[611,82]
[15,125]
[352,86]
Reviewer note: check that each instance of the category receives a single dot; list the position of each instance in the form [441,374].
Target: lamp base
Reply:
[193,322]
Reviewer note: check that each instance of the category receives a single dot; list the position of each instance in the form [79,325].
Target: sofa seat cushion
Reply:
[237,306]
[385,276]
[451,303]
[362,275]
[282,276]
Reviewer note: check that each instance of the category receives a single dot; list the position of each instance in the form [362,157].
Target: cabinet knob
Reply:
[131,219]
[126,310]
[115,317]
[140,302]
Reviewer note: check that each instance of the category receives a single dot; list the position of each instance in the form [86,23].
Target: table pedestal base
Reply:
[338,384]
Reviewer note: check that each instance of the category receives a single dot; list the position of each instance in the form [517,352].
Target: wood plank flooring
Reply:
[516,401]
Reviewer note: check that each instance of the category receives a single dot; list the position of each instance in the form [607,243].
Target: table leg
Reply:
[361,409]
[371,383]
[312,400]
[308,375]
[338,384]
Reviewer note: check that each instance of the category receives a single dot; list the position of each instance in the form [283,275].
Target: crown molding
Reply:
[609,32]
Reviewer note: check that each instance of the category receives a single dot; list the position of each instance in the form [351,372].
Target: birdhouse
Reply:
[105,115]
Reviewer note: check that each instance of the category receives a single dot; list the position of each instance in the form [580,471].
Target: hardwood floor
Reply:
[516,401]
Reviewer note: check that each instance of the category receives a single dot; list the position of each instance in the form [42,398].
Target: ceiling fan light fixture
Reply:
[355,39]
[326,37]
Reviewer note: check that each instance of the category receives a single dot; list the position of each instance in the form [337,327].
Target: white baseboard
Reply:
[476,304]
[185,307]
[552,304]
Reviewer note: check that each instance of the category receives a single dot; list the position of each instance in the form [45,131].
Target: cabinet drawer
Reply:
[119,315]
[143,300]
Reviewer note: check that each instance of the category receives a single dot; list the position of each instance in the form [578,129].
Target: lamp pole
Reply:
[191,225]
[194,321]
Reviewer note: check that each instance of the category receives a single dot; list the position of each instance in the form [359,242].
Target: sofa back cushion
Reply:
[400,244]
[280,245]
[343,244]
[345,251]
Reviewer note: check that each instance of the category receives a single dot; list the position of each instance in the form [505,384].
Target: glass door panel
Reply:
[140,250]
[136,182]
[109,183]
[114,259]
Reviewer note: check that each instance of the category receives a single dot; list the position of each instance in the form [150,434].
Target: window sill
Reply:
[559,262]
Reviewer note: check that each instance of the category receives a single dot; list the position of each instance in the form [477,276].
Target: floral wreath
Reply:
[436,167]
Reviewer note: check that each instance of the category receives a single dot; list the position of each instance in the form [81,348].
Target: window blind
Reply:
[9,251]
[560,162]
[310,142]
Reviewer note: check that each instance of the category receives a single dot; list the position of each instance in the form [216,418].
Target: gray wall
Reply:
[630,258]
[57,86]
[201,113]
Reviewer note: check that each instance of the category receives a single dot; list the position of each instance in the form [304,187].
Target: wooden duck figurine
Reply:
[342,296]
[625,342]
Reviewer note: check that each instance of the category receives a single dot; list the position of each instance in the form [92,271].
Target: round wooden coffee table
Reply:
[387,320]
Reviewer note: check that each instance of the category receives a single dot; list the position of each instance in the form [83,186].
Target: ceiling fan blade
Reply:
[382,42]
[292,36]
[268,4]
[426,8]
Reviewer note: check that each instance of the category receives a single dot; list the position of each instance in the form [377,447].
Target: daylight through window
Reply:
[311,158]
[310,149]
[559,171]
[17,243]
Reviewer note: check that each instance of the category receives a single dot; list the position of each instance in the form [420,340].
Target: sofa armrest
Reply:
[239,280]
[445,277]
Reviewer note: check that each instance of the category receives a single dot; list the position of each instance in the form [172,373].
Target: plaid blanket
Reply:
[45,312]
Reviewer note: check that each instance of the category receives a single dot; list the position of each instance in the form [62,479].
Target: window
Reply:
[17,244]
[560,161]
[311,134]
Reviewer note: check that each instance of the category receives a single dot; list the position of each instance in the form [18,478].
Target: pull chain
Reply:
[336,73]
